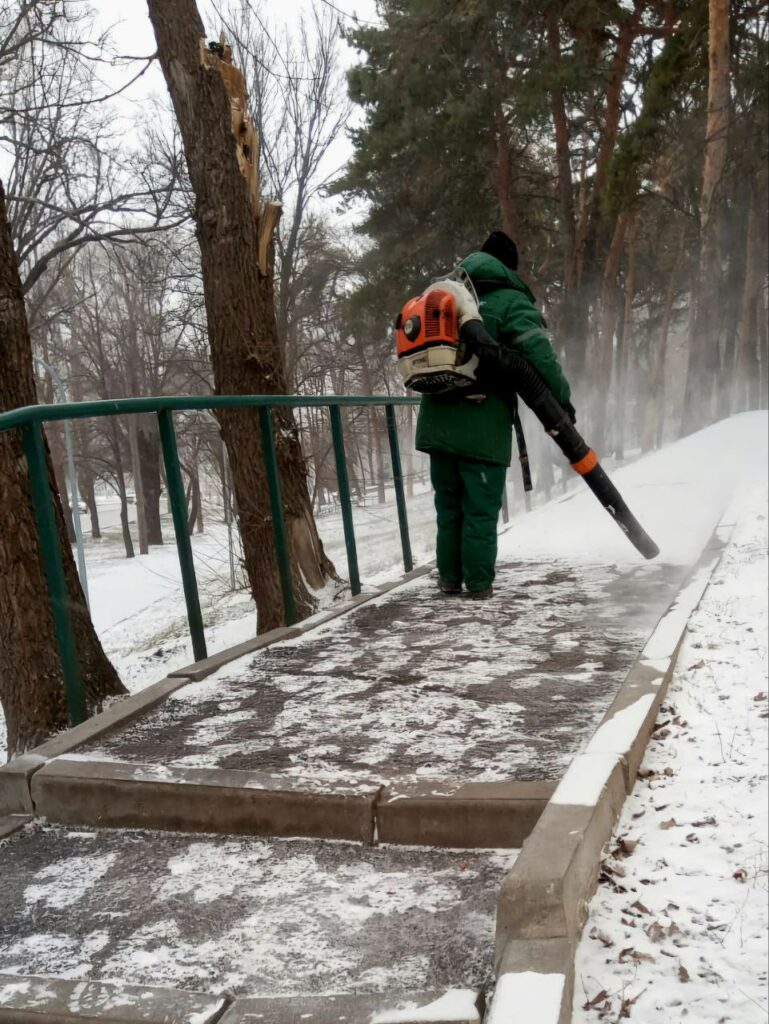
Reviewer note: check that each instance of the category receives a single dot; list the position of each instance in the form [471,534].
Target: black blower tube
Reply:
[507,370]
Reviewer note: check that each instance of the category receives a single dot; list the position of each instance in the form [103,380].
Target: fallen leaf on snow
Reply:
[640,907]
[632,954]
[683,974]
[670,823]
[740,874]
[655,931]
[600,998]
[596,933]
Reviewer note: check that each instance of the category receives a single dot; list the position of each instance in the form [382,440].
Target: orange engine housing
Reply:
[426,321]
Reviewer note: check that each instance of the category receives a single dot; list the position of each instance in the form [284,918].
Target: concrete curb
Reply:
[30,999]
[116,794]
[26,999]
[461,1006]
[121,794]
[543,902]
[11,823]
[494,815]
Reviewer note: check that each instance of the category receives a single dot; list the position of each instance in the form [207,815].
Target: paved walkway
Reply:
[417,685]
[264,917]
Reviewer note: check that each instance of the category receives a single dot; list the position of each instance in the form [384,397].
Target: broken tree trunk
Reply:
[234,230]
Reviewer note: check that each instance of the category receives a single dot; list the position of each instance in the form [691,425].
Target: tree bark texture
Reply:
[245,350]
[575,341]
[704,356]
[31,684]
[149,465]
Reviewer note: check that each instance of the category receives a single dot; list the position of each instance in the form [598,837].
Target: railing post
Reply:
[183,546]
[278,519]
[344,497]
[400,497]
[50,549]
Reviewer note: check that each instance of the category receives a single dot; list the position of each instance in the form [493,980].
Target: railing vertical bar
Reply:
[400,496]
[337,435]
[278,519]
[183,545]
[53,565]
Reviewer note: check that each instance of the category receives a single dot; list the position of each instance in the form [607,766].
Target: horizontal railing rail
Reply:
[30,419]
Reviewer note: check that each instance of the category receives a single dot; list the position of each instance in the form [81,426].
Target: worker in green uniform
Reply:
[468,436]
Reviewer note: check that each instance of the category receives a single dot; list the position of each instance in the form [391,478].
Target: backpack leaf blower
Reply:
[443,346]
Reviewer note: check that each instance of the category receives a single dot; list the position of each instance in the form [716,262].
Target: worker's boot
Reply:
[481,595]
[449,587]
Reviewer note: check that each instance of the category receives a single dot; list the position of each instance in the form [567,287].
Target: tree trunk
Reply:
[575,341]
[245,351]
[138,480]
[746,366]
[86,482]
[149,464]
[625,349]
[657,404]
[31,684]
[602,357]
[704,359]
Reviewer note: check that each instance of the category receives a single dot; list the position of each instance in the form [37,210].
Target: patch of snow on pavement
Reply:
[528,997]
[65,882]
[454,1005]
[678,928]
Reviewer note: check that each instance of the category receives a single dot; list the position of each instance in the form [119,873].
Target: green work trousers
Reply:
[468,497]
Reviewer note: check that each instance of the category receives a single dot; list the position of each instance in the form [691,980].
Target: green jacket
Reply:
[460,426]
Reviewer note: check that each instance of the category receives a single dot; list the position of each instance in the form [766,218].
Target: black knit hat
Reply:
[501,246]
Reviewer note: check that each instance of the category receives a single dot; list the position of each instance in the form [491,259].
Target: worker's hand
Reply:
[570,411]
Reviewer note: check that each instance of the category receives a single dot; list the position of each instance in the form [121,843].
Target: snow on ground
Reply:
[678,929]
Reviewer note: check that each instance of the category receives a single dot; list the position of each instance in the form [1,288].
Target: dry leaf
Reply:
[670,823]
[655,931]
[683,974]
[760,696]
[633,954]
[699,664]
[603,938]
[592,1003]
[692,838]
[740,874]
[640,907]
[705,821]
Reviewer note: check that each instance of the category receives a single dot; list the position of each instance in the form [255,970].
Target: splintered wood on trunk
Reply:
[245,350]
[31,683]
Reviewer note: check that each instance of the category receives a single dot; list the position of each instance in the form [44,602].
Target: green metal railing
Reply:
[30,420]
